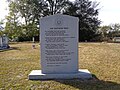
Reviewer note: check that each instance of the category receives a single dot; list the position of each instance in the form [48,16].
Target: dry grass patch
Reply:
[102,59]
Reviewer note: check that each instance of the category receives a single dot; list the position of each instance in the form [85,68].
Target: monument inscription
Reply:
[59,44]
[59,49]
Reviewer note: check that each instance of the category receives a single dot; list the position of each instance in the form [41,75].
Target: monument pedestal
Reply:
[38,75]
[59,49]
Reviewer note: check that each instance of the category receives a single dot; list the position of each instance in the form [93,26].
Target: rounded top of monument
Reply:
[60,15]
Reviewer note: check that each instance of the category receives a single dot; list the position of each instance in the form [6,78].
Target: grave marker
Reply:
[59,49]
[0,41]
[3,42]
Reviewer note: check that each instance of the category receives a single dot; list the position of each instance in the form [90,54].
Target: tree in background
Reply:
[87,13]
[30,11]
[1,28]
[85,10]
[1,22]
[26,10]
[114,30]
[110,31]
[19,23]
[12,29]
[105,30]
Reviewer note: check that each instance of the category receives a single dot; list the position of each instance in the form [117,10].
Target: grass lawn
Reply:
[102,60]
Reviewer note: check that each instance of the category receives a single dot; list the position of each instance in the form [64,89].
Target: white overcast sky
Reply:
[3,9]
[109,12]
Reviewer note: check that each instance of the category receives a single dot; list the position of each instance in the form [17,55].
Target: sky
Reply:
[109,11]
[3,9]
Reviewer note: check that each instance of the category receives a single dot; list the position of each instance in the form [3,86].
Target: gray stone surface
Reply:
[3,42]
[0,41]
[59,49]
[81,74]
[59,44]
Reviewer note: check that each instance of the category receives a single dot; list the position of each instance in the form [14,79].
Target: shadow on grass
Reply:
[91,84]
[11,48]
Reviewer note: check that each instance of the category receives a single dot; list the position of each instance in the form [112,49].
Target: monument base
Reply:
[38,75]
[4,47]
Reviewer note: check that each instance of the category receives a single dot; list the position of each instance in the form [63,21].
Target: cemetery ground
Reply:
[101,59]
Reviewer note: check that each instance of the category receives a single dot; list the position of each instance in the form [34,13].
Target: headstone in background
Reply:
[33,45]
[4,42]
[0,42]
[59,49]
[33,39]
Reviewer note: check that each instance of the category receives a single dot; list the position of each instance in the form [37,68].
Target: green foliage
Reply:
[104,30]
[110,31]
[1,33]
[33,10]
[87,13]
[15,28]
[12,25]
[1,28]
[1,22]
[30,11]
[114,30]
